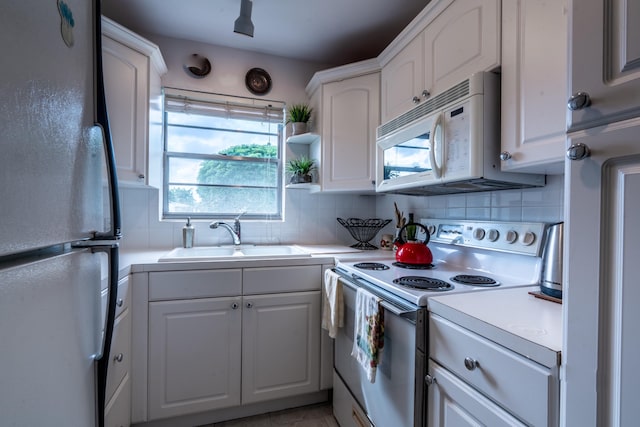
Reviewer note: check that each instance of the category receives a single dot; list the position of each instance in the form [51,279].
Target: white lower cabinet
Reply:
[452,402]
[118,392]
[194,355]
[474,381]
[280,345]
[211,347]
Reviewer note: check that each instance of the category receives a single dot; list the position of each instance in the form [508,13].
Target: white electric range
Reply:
[498,254]
[488,255]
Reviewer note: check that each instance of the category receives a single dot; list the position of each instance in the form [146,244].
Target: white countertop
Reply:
[510,317]
[147,259]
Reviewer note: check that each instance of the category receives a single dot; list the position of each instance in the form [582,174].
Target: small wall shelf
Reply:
[312,187]
[303,138]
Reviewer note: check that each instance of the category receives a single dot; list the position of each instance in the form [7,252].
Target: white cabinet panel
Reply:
[461,40]
[534,87]
[266,280]
[605,58]
[280,345]
[496,372]
[132,70]
[452,402]
[350,115]
[402,79]
[601,271]
[125,80]
[194,355]
[194,284]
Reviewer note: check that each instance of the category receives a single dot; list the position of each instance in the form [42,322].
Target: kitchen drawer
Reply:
[120,357]
[122,302]
[268,280]
[345,408]
[118,409]
[523,387]
[172,285]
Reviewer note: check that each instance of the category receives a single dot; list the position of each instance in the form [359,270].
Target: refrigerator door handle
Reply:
[102,120]
[102,357]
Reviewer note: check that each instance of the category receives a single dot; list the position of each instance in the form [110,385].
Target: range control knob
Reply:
[512,236]
[493,235]
[528,238]
[431,229]
[478,233]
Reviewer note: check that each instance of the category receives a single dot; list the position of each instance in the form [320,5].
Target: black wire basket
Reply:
[363,230]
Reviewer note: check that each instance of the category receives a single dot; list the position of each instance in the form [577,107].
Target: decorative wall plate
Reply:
[258,81]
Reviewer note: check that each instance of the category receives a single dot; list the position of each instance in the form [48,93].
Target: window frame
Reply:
[221,102]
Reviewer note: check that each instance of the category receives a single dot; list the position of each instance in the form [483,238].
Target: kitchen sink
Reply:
[216,253]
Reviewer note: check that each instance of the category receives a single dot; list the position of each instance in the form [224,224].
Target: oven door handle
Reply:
[407,312]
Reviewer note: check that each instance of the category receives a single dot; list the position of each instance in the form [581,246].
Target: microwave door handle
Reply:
[437,169]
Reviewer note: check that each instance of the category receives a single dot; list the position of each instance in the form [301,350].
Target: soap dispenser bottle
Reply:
[187,234]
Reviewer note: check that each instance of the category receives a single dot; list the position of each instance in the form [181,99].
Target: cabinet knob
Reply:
[249,305]
[505,155]
[416,100]
[425,94]
[141,176]
[578,101]
[118,357]
[120,302]
[470,363]
[578,151]
[430,380]
[234,306]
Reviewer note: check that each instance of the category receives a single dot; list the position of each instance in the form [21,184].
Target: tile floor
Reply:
[307,416]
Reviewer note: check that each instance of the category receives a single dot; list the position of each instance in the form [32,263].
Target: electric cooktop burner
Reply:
[414,266]
[424,283]
[371,266]
[475,280]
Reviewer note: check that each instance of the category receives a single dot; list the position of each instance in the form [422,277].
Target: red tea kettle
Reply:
[413,252]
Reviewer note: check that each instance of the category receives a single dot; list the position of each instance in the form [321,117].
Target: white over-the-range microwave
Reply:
[448,144]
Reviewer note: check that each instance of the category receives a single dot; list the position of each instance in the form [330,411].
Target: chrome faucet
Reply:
[235,231]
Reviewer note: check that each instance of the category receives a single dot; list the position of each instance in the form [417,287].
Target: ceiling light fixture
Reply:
[243,24]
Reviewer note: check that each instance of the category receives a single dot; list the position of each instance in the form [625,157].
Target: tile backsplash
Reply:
[311,218]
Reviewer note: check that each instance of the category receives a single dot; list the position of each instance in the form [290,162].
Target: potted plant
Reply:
[301,169]
[299,115]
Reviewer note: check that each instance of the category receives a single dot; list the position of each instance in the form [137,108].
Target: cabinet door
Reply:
[350,110]
[451,402]
[126,74]
[194,355]
[402,79]
[601,295]
[605,53]
[462,40]
[534,68]
[280,345]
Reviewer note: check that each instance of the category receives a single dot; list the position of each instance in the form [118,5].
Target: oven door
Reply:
[396,398]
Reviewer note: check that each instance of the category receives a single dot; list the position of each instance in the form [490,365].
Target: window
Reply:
[222,156]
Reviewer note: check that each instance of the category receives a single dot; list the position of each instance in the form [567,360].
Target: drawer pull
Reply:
[470,363]
[119,357]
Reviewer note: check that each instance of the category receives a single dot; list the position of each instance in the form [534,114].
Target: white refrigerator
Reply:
[59,215]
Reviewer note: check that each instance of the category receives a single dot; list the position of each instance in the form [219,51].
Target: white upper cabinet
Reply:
[457,39]
[602,232]
[605,56]
[534,69]
[348,104]
[132,69]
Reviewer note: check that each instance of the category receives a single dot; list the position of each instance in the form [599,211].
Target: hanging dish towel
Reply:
[368,334]
[332,303]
